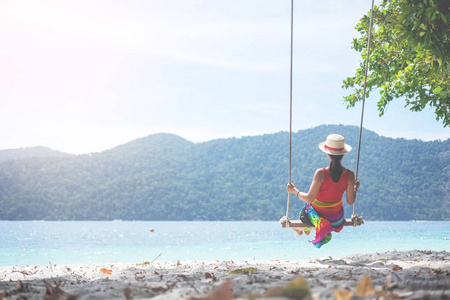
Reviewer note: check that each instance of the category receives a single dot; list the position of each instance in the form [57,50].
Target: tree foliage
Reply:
[164,177]
[409,56]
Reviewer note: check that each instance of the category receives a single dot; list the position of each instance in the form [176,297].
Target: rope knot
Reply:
[357,220]
[285,220]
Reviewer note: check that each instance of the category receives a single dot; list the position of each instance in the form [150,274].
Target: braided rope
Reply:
[290,111]
[354,215]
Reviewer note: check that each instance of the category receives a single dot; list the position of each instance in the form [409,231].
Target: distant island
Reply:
[165,177]
[28,152]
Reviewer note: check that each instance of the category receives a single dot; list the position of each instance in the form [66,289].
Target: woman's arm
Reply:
[352,187]
[313,189]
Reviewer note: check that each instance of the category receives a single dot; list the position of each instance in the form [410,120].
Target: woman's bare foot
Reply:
[308,231]
[299,231]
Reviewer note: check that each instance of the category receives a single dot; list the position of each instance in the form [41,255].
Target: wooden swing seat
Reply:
[300,224]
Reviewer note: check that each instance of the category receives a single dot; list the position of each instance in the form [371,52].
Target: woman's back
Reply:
[330,191]
[328,202]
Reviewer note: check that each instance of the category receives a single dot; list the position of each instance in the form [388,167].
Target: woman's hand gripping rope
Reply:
[292,189]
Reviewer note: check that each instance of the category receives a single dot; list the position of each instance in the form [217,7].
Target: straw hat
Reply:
[335,145]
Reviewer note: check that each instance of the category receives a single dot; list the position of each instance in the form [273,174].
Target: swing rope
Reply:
[355,218]
[290,111]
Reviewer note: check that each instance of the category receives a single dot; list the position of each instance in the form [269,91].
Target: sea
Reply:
[30,243]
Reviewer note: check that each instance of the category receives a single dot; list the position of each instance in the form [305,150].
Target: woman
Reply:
[323,208]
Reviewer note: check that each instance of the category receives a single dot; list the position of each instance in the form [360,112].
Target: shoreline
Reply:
[414,274]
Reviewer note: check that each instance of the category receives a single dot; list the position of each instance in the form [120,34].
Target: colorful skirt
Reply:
[325,218]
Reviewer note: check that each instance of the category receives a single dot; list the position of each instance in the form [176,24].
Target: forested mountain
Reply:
[29,152]
[165,177]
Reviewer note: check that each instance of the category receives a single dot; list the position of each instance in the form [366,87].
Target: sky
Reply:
[86,76]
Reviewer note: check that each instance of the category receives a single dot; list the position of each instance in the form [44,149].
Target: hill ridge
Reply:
[28,152]
[165,177]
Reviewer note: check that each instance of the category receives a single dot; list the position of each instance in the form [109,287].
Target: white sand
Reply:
[405,275]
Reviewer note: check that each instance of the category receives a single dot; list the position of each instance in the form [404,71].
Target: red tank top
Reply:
[330,191]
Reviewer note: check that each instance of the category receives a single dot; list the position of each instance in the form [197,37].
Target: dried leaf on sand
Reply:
[365,287]
[298,288]
[106,271]
[223,293]
[56,293]
[342,294]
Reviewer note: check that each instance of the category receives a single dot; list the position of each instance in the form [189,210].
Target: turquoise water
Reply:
[44,243]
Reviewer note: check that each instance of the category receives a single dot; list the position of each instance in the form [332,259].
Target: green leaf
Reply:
[430,11]
[244,271]
[437,90]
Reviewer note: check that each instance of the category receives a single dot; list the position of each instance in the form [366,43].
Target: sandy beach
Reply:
[389,275]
